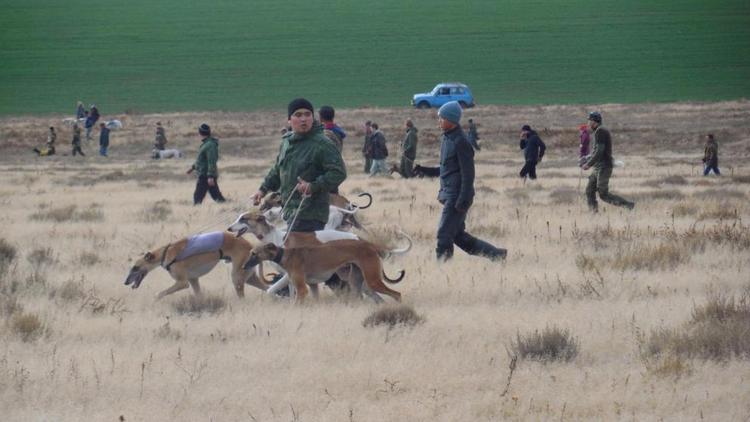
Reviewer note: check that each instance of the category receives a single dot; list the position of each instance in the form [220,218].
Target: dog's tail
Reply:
[368,203]
[400,277]
[403,250]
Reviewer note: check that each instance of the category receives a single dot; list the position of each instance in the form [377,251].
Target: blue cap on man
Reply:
[451,111]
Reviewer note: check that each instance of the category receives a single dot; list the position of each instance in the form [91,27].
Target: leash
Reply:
[294,219]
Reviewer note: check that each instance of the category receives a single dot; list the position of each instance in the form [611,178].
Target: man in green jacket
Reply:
[307,168]
[408,150]
[205,165]
[602,162]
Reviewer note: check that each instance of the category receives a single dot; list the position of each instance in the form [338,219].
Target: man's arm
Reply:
[465,155]
[212,155]
[598,154]
[334,170]
[542,148]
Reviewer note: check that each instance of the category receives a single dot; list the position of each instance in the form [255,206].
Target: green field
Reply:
[169,55]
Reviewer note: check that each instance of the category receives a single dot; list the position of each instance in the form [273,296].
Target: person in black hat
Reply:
[533,150]
[205,166]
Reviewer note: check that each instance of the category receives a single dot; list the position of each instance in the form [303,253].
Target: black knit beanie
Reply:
[297,104]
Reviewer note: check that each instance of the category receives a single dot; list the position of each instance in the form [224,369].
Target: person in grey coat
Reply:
[457,189]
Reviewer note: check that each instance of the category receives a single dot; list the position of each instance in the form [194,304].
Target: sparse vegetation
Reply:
[157,212]
[196,305]
[565,196]
[664,256]
[551,344]
[7,256]
[27,325]
[68,213]
[718,329]
[392,316]
[88,259]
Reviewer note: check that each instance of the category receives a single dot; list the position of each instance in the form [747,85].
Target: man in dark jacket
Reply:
[533,151]
[711,156]
[602,162]
[457,189]
[307,168]
[91,120]
[77,140]
[205,166]
[378,151]
[160,141]
[332,131]
[103,139]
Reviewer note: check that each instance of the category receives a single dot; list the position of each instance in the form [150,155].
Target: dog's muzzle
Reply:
[135,277]
[252,262]
[239,232]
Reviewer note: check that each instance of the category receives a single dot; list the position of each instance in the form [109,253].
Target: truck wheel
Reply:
[462,104]
[423,105]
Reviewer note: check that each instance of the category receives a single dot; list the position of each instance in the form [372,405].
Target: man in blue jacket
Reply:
[457,189]
[533,150]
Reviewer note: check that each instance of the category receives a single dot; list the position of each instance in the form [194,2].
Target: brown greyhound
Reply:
[186,271]
[311,264]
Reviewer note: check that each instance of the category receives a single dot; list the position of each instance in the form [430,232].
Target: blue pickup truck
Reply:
[442,93]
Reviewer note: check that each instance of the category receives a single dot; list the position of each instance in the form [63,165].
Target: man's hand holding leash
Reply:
[303,187]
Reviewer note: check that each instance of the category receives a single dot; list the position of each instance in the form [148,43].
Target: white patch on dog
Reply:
[167,153]
[324,236]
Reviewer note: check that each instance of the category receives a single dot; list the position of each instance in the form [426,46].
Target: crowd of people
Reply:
[310,165]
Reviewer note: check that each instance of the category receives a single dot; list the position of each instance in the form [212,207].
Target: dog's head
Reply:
[260,253]
[253,222]
[272,199]
[141,267]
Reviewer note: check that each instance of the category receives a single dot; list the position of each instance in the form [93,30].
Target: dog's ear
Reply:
[148,256]
[260,218]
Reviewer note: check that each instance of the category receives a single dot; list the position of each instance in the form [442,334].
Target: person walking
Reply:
[367,146]
[711,156]
[378,151]
[533,150]
[473,136]
[91,120]
[457,189]
[306,169]
[103,139]
[408,150]
[77,140]
[160,141]
[602,163]
[205,166]
[332,131]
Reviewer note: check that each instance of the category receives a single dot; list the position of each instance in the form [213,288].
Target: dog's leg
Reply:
[178,285]
[300,285]
[238,278]
[372,271]
[314,291]
[196,286]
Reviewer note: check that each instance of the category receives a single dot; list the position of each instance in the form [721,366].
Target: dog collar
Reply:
[164,254]
[279,256]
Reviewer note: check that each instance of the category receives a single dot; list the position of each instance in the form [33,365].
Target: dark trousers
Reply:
[201,187]
[77,149]
[709,167]
[368,164]
[529,169]
[407,166]
[452,230]
[103,149]
[599,182]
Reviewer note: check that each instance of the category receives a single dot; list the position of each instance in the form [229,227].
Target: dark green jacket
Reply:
[601,157]
[409,145]
[313,158]
[208,154]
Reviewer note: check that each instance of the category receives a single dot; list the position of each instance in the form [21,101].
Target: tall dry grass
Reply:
[78,344]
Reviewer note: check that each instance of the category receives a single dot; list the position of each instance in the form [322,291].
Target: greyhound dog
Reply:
[157,154]
[315,264]
[341,212]
[255,223]
[187,259]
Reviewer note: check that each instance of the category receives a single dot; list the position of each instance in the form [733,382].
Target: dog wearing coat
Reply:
[188,259]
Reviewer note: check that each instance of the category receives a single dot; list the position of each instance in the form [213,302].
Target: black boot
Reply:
[488,250]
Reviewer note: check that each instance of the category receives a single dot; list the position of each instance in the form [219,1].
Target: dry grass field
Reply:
[639,315]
